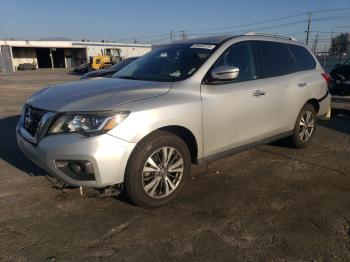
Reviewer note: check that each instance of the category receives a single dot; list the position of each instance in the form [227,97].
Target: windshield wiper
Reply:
[126,77]
[144,78]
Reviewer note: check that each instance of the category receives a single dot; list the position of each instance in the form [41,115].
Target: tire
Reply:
[150,182]
[306,123]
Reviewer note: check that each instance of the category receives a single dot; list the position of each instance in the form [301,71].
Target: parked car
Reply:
[82,69]
[110,71]
[26,66]
[184,103]
[341,79]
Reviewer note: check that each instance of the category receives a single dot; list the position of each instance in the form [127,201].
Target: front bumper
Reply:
[108,155]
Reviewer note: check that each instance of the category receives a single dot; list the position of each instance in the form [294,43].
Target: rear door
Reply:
[234,113]
[310,83]
[281,83]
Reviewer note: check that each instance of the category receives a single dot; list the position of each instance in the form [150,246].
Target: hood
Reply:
[95,95]
[97,73]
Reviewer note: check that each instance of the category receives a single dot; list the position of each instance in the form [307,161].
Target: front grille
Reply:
[32,117]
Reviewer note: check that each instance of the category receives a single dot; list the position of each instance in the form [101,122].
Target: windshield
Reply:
[168,64]
[122,64]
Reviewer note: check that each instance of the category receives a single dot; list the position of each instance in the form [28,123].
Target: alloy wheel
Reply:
[162,172]
[306,126]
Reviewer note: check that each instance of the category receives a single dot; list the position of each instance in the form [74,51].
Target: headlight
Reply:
[88,124]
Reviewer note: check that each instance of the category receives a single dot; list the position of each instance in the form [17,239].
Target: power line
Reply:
[330,18]
[330,10]
[269,20]
[296,33]
[254,29]
[272,26]
[166,39]
[249,24]
[141,37]
[322,32]
[150,37]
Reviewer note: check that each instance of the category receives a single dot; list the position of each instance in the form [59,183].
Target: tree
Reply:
[340,44]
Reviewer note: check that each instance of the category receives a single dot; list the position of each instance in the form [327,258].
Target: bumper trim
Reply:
[107,154]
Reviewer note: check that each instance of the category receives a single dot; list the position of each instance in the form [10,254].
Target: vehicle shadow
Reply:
[10,152]
[75,73]
[340,120]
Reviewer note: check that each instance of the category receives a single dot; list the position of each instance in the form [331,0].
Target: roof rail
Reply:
[269,34]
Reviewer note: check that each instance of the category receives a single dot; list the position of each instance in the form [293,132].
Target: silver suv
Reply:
[181,104]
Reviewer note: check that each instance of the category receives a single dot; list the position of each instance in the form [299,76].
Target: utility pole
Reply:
[51,58]
[308,27]
[171,36]
[332,35]
[183,34]
[315,44]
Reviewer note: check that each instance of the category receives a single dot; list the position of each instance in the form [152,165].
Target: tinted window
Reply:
[277,59]
[239,55]
[303,58]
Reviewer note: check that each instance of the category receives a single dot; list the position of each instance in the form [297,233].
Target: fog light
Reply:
[77,169]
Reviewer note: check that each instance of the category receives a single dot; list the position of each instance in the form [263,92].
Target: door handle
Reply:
[302,84]
[258,93]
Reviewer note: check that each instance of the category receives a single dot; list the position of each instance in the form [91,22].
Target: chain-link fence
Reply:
[328,62]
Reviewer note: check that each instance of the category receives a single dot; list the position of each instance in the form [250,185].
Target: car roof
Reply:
[214,40]
[220,39]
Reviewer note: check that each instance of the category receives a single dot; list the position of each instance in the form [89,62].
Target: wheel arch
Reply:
[187,136]
[184,133]
[314,103]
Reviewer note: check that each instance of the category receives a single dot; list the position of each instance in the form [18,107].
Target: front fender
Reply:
[141,123]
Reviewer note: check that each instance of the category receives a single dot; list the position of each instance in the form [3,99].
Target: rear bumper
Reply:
[340,87]
[325,106]
[107,154]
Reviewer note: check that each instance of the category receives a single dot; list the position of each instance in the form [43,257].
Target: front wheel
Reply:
[305,127]
[157,170]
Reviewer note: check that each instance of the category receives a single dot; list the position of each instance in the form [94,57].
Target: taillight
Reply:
[327,78]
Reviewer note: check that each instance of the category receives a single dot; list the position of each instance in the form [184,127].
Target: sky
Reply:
[150,21]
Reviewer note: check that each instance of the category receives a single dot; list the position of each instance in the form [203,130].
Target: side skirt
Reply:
[242,148]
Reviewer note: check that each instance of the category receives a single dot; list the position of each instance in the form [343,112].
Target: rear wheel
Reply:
[157,170]
[305,127]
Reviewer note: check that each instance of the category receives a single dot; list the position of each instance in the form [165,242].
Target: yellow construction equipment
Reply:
[108,57]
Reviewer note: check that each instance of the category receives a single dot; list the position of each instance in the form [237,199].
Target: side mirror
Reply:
[337,66]
[225,73]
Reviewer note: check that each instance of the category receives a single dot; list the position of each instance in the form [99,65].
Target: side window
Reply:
[277,59]
[303,58]
[239,55]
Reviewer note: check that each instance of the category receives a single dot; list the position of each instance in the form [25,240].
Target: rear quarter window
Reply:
[304,60]
[277,59]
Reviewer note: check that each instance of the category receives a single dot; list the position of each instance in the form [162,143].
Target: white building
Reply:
[64,54]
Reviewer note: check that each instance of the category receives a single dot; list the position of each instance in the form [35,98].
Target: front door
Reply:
[235,112]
